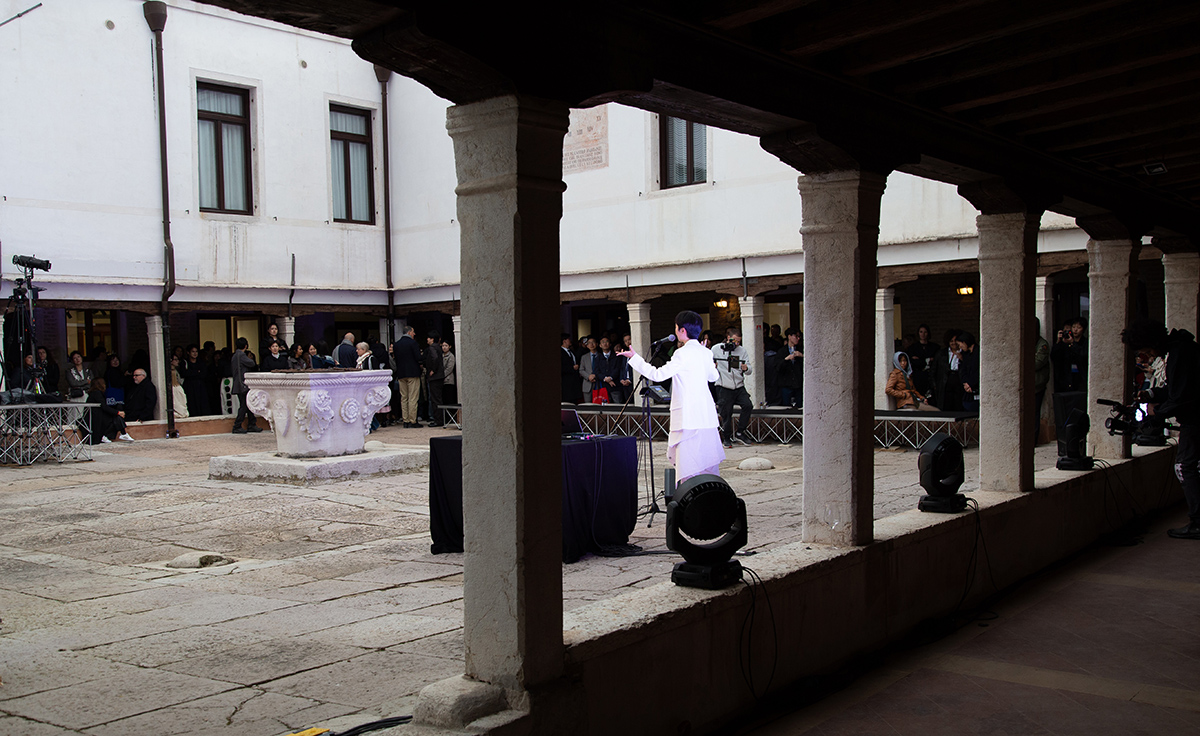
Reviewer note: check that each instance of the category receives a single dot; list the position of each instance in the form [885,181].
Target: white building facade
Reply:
[276,168]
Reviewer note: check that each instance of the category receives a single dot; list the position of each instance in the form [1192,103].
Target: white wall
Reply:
[80,183]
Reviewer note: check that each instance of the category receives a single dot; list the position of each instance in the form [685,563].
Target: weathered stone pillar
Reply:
[885,343]
[1043,309]
[639,327]
[1008,227]
[458,361]
[840,216]
[1112,252]
[287,330]
[158,368]
[1007,252]
[508,156]
[1181,279]
[752,340]
[839,198]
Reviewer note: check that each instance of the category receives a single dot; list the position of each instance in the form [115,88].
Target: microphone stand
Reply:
[648,431]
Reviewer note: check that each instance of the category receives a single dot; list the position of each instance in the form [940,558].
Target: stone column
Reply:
[158,368]
[1110,284]
[639,328]
[840,216]
[287,330]
[508,157]
[458,361]
[1043,309]
[1007,261]
[885,342]
[752,339]
[1181,279]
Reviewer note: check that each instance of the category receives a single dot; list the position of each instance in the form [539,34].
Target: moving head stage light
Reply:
[705,508]
[941,469]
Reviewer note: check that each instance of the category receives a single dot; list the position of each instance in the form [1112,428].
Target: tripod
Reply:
[24,299]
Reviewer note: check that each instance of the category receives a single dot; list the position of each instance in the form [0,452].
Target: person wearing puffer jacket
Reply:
[900,386]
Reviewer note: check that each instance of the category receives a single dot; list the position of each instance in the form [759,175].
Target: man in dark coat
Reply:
[345,354]
[141,398]
[406,355]
[790,373]
[239,364]
[435,376]
[569,371]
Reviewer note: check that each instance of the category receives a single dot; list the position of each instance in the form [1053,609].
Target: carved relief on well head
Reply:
[279,411]
[376,399]
[258,402]
[349,411]
[314,412]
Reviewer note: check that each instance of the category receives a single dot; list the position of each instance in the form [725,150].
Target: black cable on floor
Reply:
[374,726]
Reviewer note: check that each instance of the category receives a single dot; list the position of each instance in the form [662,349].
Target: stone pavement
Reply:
[335,613]
[1102,645]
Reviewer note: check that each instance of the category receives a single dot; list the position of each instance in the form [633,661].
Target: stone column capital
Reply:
[1109,226]
[999,197]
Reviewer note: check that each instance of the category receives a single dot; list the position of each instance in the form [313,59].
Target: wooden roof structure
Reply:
[1090,107]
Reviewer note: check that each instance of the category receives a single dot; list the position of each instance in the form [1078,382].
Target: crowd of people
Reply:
[424,378]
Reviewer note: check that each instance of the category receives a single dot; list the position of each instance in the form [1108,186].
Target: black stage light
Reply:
[706,524]
[1073,442]
[941,469]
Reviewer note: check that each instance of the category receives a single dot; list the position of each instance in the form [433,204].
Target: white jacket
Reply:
[690,369]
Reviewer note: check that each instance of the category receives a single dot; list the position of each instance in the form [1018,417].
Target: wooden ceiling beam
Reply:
[853,23]
[1104,89]
[1062,39]
[1136,157]
[732,14]
[1155,144]
[1141,102]
[1128,126]
[972,26]
[1062,75]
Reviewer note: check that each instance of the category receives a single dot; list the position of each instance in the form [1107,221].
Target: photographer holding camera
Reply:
[1179,398]
[733,364]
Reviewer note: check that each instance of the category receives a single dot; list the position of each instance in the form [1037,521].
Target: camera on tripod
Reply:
[735,363]
[1133,420]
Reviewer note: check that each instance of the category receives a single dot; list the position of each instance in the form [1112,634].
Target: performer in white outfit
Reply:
[694,446]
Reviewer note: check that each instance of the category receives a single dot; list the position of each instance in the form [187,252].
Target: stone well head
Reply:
[318,413]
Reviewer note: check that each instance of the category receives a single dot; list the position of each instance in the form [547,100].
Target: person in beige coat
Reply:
[900,386]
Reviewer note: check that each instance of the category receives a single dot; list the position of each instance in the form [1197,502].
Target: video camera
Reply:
[1134,420]
[735,363]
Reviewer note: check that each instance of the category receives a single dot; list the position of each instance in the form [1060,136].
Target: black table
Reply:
[599,506]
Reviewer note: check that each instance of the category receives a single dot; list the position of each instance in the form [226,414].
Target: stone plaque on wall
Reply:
[585,146]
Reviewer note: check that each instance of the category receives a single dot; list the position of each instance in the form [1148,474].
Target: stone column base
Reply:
[458,701]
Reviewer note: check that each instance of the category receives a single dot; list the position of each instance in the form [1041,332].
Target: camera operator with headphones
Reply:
[1179,398]
[733,364]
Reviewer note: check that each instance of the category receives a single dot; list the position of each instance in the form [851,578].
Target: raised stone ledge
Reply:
[832,603]
[269,467]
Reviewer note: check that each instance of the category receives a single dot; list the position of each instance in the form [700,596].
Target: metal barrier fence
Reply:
[33,432]
[785,426]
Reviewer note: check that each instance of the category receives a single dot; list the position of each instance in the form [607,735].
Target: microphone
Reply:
[664,341]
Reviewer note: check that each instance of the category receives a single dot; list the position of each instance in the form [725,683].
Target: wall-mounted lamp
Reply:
[966,289]
[721,303]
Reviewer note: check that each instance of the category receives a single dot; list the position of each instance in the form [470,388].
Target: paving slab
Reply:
[266,661]
[105,699]
[335,603]
[244,711]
